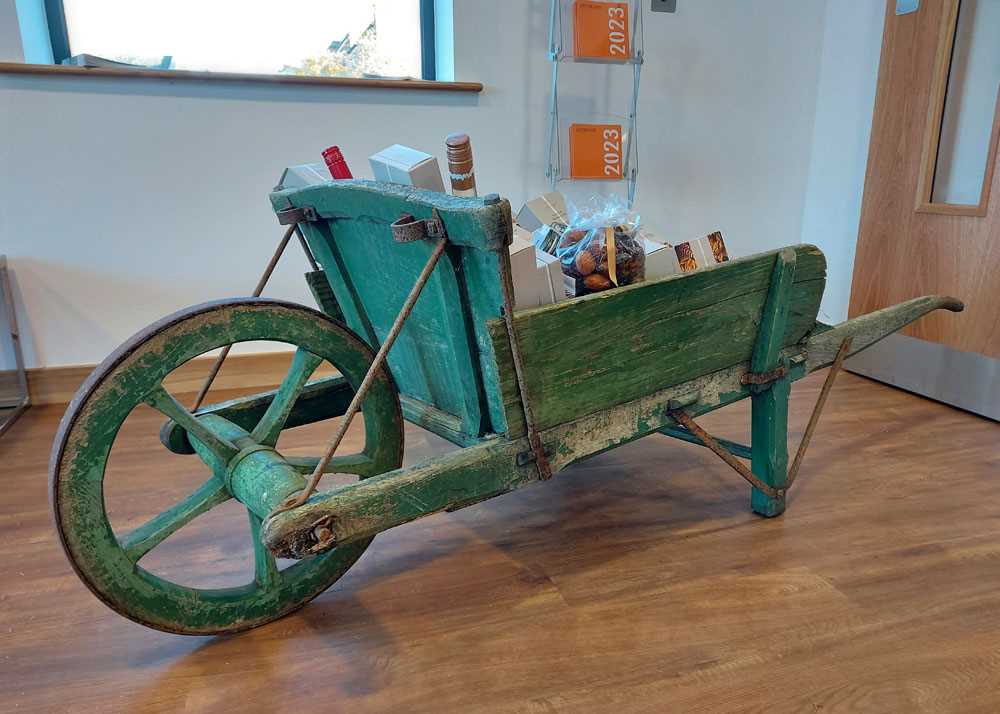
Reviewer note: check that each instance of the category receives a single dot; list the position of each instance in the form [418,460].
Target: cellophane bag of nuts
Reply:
[600,247]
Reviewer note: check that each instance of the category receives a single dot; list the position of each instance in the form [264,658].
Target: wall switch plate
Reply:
[664,5]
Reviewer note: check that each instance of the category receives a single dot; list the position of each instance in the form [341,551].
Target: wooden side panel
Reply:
[437,359]
[591,353]
[371,277]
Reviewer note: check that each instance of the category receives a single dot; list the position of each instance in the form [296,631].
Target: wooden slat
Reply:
[585,355]
[49,70]
[771,332]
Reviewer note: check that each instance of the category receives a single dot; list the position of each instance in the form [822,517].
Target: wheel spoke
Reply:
[358,464]
[149,535]
[265,568]
[161,400]
[269,427]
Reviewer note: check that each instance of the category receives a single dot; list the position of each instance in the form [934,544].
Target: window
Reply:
[964,127]
[341,38]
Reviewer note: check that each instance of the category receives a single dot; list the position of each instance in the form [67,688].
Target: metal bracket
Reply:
[409,229]
[528,457]
[684,400]
[291,216]
[759,378]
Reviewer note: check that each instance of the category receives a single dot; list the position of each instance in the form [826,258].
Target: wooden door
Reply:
[930,219]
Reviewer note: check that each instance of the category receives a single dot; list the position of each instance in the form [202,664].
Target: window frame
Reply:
[935,118]
[59,36]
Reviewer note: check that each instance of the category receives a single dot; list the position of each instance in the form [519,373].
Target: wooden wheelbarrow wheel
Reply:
[108,563]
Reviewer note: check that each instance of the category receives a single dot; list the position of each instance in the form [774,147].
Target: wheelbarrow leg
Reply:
[769,446]
[771,386]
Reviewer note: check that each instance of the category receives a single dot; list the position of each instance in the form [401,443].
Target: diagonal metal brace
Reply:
[682,418]
[845,347]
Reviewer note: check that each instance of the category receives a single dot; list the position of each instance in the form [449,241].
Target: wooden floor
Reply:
[635,582]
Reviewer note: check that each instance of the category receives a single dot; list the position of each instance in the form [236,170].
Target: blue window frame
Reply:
[60,35]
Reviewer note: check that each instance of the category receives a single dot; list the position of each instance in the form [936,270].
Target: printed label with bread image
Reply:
[718,246]
[701,252]
[686,257]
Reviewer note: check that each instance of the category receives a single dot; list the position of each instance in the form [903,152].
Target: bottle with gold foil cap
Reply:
[463,178]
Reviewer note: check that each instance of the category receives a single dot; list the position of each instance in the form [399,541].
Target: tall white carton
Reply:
[551,278]
[524,272]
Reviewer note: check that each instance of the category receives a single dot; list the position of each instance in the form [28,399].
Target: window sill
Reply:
[51,70]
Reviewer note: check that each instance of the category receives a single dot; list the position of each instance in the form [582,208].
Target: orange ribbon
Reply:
[609,245]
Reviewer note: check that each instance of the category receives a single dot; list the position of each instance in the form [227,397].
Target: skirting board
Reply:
[966,380]
[252,372]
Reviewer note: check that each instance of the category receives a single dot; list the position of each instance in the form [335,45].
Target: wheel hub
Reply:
[257,476]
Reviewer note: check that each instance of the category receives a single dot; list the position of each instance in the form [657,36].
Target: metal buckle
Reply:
[409,229]
[288,216]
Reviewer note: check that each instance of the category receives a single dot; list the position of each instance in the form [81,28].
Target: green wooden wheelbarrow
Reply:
[424,280]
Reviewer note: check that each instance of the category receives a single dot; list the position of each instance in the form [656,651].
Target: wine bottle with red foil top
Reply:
[463,178]
[335,162]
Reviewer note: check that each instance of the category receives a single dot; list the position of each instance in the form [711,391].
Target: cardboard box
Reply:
[410,167]
[303,175]
[569,285]
[537,276]
[551,279]
[524,272]
[545,210]
[661,260]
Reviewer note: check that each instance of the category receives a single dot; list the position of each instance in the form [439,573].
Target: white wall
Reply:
[126,200]
[852,41]
[10,34]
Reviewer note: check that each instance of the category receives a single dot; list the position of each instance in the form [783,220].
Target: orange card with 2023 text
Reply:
[595,151]
[600,30]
